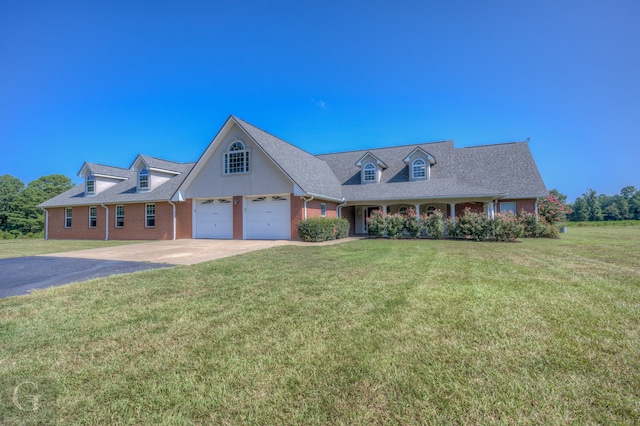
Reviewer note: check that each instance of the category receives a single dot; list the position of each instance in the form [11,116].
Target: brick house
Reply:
[249,184]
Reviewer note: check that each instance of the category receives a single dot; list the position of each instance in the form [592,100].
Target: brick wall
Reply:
[184,219]
[238,211]
[134,223]
[349,213]
[297,214]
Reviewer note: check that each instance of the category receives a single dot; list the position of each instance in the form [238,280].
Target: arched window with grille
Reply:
[237,159]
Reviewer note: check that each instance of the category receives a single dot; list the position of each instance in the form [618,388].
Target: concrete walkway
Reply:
[183,252]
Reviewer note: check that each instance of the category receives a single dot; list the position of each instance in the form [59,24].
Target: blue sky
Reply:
[103,81]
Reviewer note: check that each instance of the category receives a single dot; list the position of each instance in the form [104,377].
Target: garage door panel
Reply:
[268,218]
[214,219]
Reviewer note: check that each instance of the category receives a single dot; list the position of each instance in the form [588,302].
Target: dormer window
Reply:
[419,169]
[237,159]
[91,185]
[143,180]
[369,173]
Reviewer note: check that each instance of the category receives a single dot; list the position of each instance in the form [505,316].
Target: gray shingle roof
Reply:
[505,168]
[502,170]
[123,192]
[100,169]
[310,173]
[157,163]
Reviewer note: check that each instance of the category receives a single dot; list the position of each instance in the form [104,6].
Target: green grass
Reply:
[365,332]
[20,247]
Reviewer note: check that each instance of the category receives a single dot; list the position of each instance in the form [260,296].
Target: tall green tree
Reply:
[594,206]
[23,216]
[10,188]
[580,210]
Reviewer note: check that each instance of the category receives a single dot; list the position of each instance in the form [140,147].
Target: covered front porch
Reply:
[357,213]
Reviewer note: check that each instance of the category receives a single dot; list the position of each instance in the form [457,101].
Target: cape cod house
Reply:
[249,184]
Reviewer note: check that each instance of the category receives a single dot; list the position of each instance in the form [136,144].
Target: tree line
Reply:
[19,214]
[599,207]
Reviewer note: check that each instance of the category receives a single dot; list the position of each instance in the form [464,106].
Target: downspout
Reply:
[106,224]
[306,200]
[339,207]
[174,219]
[46,223]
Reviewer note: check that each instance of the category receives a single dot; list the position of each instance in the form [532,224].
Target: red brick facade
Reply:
[134,222]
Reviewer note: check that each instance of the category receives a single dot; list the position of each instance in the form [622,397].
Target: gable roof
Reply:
[158,164]
[106,171]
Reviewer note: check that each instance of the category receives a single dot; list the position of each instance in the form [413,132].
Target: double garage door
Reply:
[265,218]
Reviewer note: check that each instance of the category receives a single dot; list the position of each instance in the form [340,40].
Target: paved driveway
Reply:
[20,275]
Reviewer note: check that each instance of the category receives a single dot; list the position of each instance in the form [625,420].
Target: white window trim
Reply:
[367,168]
[148,179]
[147,216]
[68,218]
[323,209]
[413,169]
[119,216]
[244,152]
[93,217]
[90,179]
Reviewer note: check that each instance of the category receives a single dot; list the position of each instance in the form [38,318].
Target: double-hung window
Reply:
[150,217]
[68,216]
[91,185]
[143,180]
[119,216]
[93,216]
[323,209]
[237,159]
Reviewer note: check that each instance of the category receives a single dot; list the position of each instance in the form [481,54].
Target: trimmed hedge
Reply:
[323,229]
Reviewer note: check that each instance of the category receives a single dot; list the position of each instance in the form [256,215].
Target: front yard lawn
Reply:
[30,246]
[364,332]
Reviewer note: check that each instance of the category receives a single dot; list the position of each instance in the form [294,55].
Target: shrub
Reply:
[413,224]
[395,225]
[506,227]
[323,229]
[451,227]
[476,226]
[531,227]
[342,227]
[377,223]
[435,224]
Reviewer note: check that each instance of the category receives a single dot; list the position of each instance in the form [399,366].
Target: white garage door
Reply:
[214,218]
[267,218]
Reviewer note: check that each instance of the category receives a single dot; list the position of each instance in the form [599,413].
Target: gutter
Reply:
[306,200]
[46,223]
[106,223]
[174,220]
[339,207]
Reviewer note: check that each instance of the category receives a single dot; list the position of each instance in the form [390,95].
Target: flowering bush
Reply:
[434,224]
[475,226]
[553,210]
[413,224]
[377,223]
[506,227]
[395,225]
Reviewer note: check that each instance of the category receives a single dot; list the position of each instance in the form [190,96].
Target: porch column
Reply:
[452,206]
[489,209]
[384,209]
[417,206]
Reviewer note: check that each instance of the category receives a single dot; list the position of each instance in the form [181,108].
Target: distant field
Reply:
[31,247]
[365,332]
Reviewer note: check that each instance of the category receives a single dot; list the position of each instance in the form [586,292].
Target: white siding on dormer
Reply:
[103,183]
